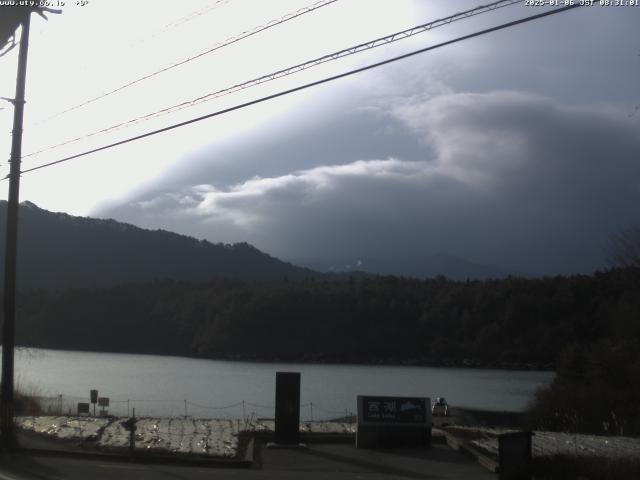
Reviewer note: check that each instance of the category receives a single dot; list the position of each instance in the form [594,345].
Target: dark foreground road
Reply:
[319,461]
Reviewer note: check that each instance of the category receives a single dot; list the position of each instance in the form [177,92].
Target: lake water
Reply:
[158,385]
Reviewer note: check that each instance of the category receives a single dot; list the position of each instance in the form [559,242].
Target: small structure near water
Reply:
[392,421]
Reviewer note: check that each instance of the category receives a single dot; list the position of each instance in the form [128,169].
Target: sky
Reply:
[520,148]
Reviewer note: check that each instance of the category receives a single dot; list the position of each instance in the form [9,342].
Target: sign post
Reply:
[93,394]
[391,421]
[130,426]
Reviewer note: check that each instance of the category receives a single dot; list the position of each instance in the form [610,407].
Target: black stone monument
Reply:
[287,408]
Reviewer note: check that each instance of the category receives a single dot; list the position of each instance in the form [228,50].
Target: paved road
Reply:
[319,461]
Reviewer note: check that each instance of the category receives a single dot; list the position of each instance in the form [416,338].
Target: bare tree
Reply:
[624,249]
[12,14]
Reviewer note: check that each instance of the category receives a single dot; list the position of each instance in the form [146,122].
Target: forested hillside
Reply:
[372,320]
[59,251]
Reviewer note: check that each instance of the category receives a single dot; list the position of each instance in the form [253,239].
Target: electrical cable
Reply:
[214,408]
[291,70]
[197,13]
[217,46]
[308,85]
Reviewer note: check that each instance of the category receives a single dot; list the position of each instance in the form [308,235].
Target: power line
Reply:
[394,37]
[308,85]
[197,13]
[213,408]
[161,30]
[217,46]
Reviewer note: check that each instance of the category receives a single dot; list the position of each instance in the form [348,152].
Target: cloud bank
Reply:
[503,177]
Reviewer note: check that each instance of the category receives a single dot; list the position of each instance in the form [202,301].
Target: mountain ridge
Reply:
[60,250]
[429,266]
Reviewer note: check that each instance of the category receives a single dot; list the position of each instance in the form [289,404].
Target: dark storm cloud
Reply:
[348,133]
[503,177]
[556,180]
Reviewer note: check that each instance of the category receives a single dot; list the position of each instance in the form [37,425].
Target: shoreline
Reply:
[464,363]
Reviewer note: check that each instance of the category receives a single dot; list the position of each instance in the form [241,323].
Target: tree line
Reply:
[587,327]
[368,319]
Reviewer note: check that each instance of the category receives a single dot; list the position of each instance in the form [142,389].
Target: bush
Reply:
[595,391]
[26,404]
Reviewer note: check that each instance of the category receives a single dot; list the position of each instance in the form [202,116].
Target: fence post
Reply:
[132,434]
[244,416]
[127,407]
[185,409]
[311,410]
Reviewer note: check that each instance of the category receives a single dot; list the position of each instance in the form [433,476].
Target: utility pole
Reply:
[11,246]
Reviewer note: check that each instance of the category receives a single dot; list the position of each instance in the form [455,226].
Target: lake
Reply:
[169,386]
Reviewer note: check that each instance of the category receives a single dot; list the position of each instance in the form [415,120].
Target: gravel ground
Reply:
[219,438]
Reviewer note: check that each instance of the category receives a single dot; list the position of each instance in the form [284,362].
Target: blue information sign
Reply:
[394,409]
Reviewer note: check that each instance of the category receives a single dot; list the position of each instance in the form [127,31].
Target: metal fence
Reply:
[243,409]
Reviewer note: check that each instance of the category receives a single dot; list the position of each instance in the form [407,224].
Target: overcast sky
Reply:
[520,148]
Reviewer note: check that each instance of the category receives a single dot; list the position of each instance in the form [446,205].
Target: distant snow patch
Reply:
[211,437]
